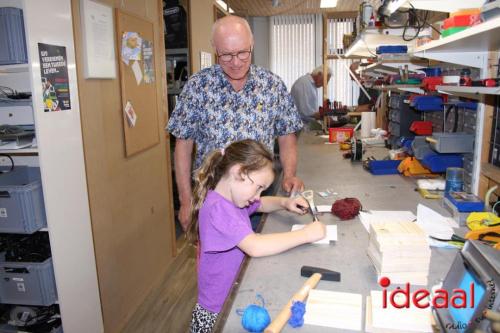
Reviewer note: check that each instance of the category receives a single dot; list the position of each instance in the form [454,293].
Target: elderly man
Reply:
[231,101]
[304,93]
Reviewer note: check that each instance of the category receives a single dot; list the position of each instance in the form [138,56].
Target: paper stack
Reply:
[400,252]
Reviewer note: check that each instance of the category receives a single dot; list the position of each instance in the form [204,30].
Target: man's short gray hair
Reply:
[319,70]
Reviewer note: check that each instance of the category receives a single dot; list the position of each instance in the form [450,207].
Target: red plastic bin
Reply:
[340,134]
[421,127]
[461,21]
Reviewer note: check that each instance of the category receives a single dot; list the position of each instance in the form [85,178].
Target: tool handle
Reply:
[282,318]
[431,140]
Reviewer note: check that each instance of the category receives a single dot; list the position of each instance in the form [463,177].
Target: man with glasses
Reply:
[232,101]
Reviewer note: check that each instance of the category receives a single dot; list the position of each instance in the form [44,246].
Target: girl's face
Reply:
[247,188]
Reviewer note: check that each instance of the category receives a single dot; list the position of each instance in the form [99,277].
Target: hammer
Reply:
[315,274]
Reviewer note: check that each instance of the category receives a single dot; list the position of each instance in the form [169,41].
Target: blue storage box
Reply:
[27,283]
[392,49]
[468,105]
[431,71]
[384,167]
[12,37]
[465,202]
[22,208]
[440,162]
[427,103]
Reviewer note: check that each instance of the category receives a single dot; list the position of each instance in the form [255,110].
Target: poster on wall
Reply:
[54,74]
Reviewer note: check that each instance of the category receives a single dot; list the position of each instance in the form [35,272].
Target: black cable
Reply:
[11,163]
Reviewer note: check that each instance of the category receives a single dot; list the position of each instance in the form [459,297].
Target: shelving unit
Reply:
[469,92]
[469,47]
[18,68]
[60,158]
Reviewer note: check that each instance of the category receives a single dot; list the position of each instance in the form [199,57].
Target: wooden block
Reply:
[334,309]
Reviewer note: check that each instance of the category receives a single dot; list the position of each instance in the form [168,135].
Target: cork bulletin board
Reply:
[135,37]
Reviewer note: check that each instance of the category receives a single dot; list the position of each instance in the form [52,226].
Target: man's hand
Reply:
[292,184]
[184,215]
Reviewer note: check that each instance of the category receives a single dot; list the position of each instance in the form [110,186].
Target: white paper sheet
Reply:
[436,225]
[331,233]
[388,216]
[324,208]
[136,68]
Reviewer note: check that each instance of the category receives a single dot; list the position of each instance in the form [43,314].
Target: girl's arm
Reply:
[270,204]
[258,245]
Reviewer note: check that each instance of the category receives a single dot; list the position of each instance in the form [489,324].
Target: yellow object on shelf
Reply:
[430,194]
[481,220]
[410,166]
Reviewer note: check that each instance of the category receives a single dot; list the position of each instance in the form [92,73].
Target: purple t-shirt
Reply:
[222,226]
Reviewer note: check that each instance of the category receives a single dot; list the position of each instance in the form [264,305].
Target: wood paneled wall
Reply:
[130,198]
[200,33]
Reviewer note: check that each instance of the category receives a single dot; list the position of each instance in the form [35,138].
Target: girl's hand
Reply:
[297,205]
[315,231]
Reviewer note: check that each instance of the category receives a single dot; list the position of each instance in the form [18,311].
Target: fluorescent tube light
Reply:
[328,3]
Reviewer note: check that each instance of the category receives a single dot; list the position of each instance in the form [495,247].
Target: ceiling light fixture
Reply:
[328,3]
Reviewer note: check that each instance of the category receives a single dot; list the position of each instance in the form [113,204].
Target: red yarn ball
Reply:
[347,208]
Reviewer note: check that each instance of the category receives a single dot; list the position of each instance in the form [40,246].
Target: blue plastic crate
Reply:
[392,49]
[427,103]
[465,202]
[440,162]
[384,167]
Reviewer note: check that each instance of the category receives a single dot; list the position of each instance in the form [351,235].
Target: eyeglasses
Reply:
[227,57]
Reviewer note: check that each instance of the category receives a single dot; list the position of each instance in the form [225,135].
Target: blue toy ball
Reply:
[255,318]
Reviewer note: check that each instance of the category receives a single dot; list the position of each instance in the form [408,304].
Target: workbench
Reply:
[321,166]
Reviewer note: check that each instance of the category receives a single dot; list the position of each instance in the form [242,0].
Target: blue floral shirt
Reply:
[211,113]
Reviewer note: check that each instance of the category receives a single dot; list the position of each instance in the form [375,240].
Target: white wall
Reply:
[260,29]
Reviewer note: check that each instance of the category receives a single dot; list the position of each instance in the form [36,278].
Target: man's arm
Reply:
[288,157]
[182,163]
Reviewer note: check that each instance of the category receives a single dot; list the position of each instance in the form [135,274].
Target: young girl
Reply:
[227,191]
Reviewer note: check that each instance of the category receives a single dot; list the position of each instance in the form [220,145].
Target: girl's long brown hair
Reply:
[249,154]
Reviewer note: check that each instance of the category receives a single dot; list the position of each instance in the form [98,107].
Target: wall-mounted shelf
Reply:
[367,41]
[401,87]
[24,151]
[470,92]
[17,68]
[183,51]
[447,6]
[468,47]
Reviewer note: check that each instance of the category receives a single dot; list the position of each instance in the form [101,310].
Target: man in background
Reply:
[304,93]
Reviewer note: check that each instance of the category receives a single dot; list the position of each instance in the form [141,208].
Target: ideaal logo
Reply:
[460,299]
[441,299]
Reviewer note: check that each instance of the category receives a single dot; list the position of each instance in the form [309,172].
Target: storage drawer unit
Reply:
[401,116]
[22,208]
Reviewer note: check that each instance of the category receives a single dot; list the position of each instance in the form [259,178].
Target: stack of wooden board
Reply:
[399,251]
